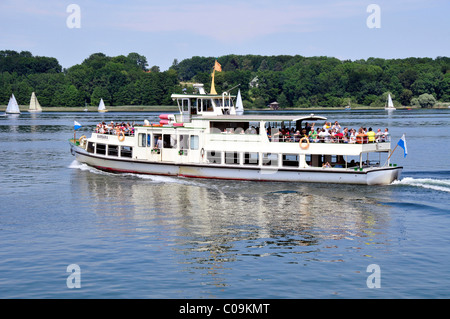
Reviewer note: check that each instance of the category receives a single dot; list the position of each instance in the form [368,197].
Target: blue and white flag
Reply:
[76,125]
[402,144]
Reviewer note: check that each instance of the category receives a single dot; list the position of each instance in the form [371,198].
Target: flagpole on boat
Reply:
[217,67]
[387,161]
[76,126]
[392,152]
[213,89]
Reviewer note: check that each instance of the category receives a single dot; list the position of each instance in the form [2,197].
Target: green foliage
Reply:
[405,97]
[292,81]
[121,80]
[323,81]
[426,100]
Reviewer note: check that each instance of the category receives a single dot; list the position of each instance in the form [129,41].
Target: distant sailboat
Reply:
[13,107]
[390,104]
[101,106]
[239,105]
[349,106]
[35,107]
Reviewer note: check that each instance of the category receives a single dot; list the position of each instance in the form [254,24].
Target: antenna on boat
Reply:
[228,91]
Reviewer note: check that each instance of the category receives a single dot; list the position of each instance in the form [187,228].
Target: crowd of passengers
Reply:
[329,133]
[115,128]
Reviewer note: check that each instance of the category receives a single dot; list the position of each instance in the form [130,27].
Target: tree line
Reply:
[121,80]
[297,81]
[292,81]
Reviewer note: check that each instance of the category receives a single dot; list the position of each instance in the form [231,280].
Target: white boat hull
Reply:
[370,176]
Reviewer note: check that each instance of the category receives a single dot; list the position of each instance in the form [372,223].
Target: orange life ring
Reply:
[303,146]
[121,136]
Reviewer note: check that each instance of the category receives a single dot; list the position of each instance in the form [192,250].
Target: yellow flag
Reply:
[217,67]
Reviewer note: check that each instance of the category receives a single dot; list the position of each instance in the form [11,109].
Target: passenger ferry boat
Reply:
[207,139]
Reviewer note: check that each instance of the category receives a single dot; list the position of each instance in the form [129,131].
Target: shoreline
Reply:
[174,108]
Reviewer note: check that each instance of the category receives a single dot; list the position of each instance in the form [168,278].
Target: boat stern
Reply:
[384,176]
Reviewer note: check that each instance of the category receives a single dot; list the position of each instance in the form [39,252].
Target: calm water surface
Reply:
[136,236]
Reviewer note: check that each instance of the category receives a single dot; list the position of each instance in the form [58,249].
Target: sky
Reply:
[178,29]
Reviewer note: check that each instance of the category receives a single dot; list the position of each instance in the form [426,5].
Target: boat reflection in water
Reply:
[208,225]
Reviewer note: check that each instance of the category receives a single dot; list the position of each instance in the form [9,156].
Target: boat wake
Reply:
[153,178]
[77,165]
[430,183]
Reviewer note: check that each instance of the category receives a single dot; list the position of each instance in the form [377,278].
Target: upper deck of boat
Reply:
[259,118]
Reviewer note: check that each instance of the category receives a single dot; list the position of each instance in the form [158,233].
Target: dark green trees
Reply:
[299,81]
[121,80]
[293,81]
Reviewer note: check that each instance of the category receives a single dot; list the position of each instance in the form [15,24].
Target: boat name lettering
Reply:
[105,137]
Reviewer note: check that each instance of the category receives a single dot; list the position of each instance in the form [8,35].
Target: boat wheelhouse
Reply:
[207,139]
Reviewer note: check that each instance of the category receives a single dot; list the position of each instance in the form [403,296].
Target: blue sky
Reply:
[165,30]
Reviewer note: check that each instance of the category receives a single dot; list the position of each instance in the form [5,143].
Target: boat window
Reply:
[251,158]
[228,102]
[319,160]
[91,147]
[142,140]
[126,151]
[231,158]
[155,140]
[232,127]
[149,140]
[291,160]
[113,150]
[214,157]
[207,105]
[101,149]
[194,142]
[270,159]
[308,159]
[169,140]
[184,142]
[193,106]
[218,102]
[185,105]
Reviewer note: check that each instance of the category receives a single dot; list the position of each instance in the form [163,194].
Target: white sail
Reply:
[101,106]
[239,105]
[34,104]
[390,104]
[13,107]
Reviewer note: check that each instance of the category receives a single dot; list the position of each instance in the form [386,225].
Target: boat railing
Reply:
[115,132]
[337,140]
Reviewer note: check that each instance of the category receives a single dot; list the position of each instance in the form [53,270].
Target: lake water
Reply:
[135,236]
